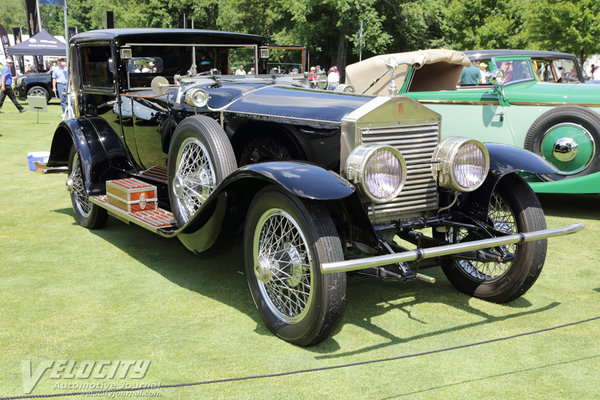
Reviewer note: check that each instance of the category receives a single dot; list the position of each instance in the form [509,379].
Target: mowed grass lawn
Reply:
[122,293]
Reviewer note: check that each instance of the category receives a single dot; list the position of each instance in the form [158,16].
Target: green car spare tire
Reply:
[568,137]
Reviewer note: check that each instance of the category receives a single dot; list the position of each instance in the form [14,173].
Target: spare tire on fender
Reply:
[200,157]
[567,137]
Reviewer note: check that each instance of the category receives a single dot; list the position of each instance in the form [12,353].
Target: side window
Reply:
[543,70]
[96,64]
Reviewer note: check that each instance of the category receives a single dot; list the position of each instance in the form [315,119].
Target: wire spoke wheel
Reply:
[87,214]
[200,158]
[80,197]
[513,208]
[194,178]
[284,268]
[503,219]
[285,242]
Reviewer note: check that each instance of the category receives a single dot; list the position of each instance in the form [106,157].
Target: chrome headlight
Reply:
[196,98]
[378,171]
[461,164]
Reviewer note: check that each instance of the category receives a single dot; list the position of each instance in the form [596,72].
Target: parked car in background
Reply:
[560,122]
[34,84]
[318,183]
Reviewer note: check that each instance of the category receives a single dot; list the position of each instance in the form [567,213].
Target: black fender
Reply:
[101,151]
[224,212]
[504,160]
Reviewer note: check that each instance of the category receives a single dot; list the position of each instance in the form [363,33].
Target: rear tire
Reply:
[285,243]
[87,214]
[513,208]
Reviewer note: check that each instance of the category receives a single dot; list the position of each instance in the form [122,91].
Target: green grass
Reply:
[122,293]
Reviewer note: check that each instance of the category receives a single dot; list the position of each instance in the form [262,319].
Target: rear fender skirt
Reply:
[100,150]
[224,212]
[504,160]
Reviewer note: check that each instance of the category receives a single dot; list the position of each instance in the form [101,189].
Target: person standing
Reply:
[470,75]
[59,82]
[7,86]
[333,79]
[240,70]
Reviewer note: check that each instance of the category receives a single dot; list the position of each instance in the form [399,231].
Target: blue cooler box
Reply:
[39,156]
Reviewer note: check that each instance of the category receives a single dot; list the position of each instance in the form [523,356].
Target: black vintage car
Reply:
[320,184]
[34,84]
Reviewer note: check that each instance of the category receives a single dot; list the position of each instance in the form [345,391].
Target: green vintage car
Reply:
[559,121]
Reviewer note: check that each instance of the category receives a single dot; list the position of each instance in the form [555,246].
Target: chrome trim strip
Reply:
[536,103]
[514,103]
[412,255]
[464,102]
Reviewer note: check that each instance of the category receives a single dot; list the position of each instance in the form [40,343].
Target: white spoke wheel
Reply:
[87,214]
[200,157]
[285,242]
[513,208]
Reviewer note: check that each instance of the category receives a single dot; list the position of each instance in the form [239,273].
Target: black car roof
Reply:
[165,35]
[484,54]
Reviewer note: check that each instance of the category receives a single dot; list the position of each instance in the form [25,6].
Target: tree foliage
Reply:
[572,26]
[330,28]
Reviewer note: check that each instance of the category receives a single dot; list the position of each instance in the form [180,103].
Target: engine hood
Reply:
[292,103]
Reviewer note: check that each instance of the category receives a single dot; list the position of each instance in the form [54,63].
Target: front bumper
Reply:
[432,252]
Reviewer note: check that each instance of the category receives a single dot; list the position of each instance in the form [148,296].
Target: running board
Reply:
[158,221]
[431,252]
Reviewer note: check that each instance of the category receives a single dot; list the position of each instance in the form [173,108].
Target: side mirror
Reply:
[160,85]
[498,77]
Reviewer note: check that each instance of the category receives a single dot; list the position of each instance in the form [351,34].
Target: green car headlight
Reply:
[461,164]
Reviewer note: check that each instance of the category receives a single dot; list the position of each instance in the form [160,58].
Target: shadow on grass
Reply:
[369,299]
[571,205]
[219,275]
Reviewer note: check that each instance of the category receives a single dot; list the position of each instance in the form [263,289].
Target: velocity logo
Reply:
[88,369]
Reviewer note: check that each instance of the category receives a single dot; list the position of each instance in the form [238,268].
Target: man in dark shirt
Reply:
[7,87]
[470,75]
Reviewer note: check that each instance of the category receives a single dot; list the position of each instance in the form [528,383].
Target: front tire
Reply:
[513,208]
[38,91]
[87,214]
[285,242]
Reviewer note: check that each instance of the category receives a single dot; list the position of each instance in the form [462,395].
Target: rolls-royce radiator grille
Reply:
[416,143]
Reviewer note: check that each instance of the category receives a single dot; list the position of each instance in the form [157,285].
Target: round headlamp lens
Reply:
[383,175]
[379,171]
[470,166]
[196,98]
[461,164]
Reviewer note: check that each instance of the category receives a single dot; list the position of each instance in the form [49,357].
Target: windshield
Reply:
[174,59]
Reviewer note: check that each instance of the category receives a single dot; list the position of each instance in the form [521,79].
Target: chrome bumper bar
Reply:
[431,252]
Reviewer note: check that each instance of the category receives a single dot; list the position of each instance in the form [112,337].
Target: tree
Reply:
[485,24]
[413,24]
[571,26]
[12,14]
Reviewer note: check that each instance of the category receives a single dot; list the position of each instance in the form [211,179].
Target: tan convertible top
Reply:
[440,71]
